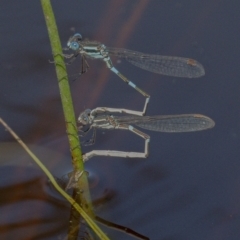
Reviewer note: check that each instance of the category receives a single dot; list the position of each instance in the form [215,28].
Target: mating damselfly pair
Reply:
[165,65]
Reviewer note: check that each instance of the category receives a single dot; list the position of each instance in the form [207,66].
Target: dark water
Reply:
[189,187]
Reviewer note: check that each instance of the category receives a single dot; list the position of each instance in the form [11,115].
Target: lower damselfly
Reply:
[165,65]
[102,118]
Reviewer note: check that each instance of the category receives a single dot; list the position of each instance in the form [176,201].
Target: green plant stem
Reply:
[83,197]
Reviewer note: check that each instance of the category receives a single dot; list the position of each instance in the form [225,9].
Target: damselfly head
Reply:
[85,117]
[73,42]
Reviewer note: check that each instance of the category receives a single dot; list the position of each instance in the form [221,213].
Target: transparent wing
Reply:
[169,123]
[165,65]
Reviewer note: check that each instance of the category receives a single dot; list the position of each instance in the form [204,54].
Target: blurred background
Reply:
[189,186]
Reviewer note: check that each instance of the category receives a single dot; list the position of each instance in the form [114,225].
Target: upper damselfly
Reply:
[165,65]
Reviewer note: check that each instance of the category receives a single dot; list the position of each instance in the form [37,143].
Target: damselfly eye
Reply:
[74,46]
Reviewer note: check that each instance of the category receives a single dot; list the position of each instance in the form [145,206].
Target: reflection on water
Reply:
[27,211]
[30,208]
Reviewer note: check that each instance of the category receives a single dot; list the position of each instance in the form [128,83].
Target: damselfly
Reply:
[165,65]
[97,118]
